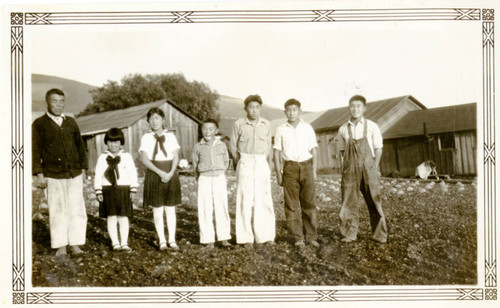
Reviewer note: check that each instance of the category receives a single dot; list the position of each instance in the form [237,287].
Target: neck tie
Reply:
[111,173]
[159,142]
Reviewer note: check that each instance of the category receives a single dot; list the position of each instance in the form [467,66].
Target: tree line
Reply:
[195,97]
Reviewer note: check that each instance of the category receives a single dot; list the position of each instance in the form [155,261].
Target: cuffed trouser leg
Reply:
[67,214]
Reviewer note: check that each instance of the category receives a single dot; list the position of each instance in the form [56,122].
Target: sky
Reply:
[320,64]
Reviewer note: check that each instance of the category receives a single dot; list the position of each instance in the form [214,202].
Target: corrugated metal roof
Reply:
[437,120]
[334,118]
[99,122]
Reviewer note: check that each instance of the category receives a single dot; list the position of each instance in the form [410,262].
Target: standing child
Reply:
[162,189]
[251,145]
[361,148]
[116,184]
[296,141]
[210,161]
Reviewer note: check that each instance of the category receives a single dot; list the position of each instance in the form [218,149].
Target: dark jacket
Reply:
[58,152]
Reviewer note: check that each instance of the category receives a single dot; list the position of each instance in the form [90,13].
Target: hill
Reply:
[77,93]
[232,108]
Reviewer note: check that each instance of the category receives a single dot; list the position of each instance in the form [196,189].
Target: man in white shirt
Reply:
[361,149]
[295,141]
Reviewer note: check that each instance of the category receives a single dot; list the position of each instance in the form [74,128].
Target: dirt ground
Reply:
[432,241]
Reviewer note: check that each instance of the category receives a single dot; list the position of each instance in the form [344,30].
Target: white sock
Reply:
[112,230]
[124,227]
[171,223]
[158,220]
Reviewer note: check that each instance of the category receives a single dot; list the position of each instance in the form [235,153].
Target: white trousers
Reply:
[212,197]
[254,203]
[67,214]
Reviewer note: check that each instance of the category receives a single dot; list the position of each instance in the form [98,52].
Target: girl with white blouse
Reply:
[115,184]
[159,152]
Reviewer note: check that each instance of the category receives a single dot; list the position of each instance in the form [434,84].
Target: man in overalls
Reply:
[361,144]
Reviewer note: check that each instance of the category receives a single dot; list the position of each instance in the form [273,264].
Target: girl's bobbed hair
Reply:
[114,134]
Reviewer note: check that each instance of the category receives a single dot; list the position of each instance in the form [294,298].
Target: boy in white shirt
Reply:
[296,142]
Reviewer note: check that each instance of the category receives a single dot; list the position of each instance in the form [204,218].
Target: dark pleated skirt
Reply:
[157,193]
[116,201]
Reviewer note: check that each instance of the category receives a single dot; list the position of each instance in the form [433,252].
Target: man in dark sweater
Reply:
[59,157]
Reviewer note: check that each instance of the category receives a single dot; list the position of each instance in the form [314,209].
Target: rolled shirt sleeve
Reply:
[312,138]
[277,139]
[377,139]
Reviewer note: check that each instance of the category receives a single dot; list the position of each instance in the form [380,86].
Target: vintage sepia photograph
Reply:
[238,153]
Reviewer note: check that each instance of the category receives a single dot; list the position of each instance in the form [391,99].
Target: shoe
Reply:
[174,246]
[300,244]
[225,244]
[208,246]
[381,241]
[117,247]
[61,251]
[248,245]
[163,246]
[348,239]
[126,248]
[75,249]
[313,243]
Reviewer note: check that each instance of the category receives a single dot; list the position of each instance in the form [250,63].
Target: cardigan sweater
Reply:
[58,151]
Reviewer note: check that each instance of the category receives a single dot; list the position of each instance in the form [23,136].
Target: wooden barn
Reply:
[384,112]
[445,135]
[134,124]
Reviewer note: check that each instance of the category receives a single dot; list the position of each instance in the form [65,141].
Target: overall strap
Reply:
[349,130]
[365,129]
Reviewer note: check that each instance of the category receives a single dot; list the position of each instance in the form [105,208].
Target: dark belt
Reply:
[296,163]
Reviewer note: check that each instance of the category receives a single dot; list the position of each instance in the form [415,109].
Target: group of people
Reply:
[59,158]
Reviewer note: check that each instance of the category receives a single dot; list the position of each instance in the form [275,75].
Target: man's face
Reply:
[55,104]
[292,113]
[357,109]
[253,110]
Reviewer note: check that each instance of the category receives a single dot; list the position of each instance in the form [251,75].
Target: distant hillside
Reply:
[232,108]
[77,93]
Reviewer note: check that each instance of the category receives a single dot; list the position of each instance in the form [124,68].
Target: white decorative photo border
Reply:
[23,21]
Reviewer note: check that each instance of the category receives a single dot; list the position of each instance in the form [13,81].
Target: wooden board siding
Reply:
[328,154]
[466,157]
[396,113]
[405,154]
[389,160]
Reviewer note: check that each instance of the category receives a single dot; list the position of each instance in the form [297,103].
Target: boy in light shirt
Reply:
[295,141]
[210,162]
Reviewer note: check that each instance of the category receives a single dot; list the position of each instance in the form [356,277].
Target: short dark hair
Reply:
[155,110]
[253,98]
[114,134]
[292,101]
[358,98]
[53,91]
[211,121]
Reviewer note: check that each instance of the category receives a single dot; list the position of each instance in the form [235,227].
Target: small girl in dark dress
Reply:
[162,190]
[115,184]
